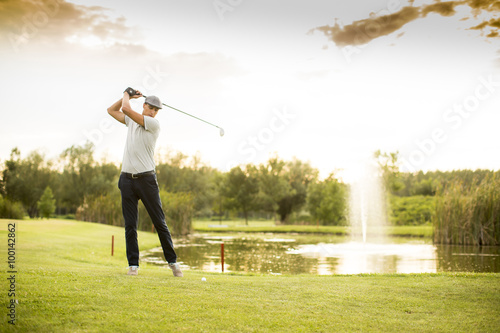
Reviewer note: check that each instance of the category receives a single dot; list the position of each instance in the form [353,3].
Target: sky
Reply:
[328,82]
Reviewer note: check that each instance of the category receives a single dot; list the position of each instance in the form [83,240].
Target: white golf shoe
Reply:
[176,269]
[133,270]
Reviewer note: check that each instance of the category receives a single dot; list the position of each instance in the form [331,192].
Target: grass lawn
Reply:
[269,226]
[67,281]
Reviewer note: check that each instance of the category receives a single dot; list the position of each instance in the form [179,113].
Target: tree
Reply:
[241,189]
[47,203]
[273,186]
[218,181]
[426,187]
[24,180]
[388,163]
[326,201]
[176,173]
[298,175]
[283,185]
[82,178]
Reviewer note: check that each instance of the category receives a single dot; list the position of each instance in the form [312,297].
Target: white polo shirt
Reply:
[140,146]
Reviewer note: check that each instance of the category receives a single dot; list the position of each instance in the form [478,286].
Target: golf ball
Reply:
[203,279]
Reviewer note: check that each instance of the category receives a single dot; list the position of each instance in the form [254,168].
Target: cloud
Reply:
[494,23]
[55,21]
[363,31]
[442,8]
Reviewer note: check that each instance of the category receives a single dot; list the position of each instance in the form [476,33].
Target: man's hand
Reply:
[132,93]
[127,109]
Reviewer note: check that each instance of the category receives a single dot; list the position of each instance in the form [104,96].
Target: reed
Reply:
[179,210]
[468,214]
[105,209]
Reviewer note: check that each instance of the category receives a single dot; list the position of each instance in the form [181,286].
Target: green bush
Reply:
[11,210]
[414,210]
[301,218]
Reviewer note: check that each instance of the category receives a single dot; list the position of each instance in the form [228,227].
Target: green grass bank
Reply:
[269,226]
[67,281]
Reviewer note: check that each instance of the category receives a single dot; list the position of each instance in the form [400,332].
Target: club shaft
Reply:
[190,115]
[187,114]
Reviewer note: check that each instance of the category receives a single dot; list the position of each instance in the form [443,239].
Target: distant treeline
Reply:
[463,205]
[81,187]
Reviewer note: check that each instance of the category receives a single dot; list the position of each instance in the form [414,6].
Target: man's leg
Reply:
[150,196]
[130,214]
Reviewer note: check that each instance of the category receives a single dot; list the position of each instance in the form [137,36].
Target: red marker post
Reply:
[112,245]
[222,256]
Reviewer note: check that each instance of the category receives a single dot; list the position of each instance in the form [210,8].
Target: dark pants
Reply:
[144,189]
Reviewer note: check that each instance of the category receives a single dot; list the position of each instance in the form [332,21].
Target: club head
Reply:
[221,132]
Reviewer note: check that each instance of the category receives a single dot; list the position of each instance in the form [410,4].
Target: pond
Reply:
[324,255]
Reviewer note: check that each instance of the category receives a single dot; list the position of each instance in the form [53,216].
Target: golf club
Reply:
[221,130]
[132,92]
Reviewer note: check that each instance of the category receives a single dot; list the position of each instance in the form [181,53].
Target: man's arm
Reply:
[114,111]
[127,109]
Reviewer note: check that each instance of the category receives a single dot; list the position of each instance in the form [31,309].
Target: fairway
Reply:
[67,281]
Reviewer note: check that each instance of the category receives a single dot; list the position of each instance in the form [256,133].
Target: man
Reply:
[138,177]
